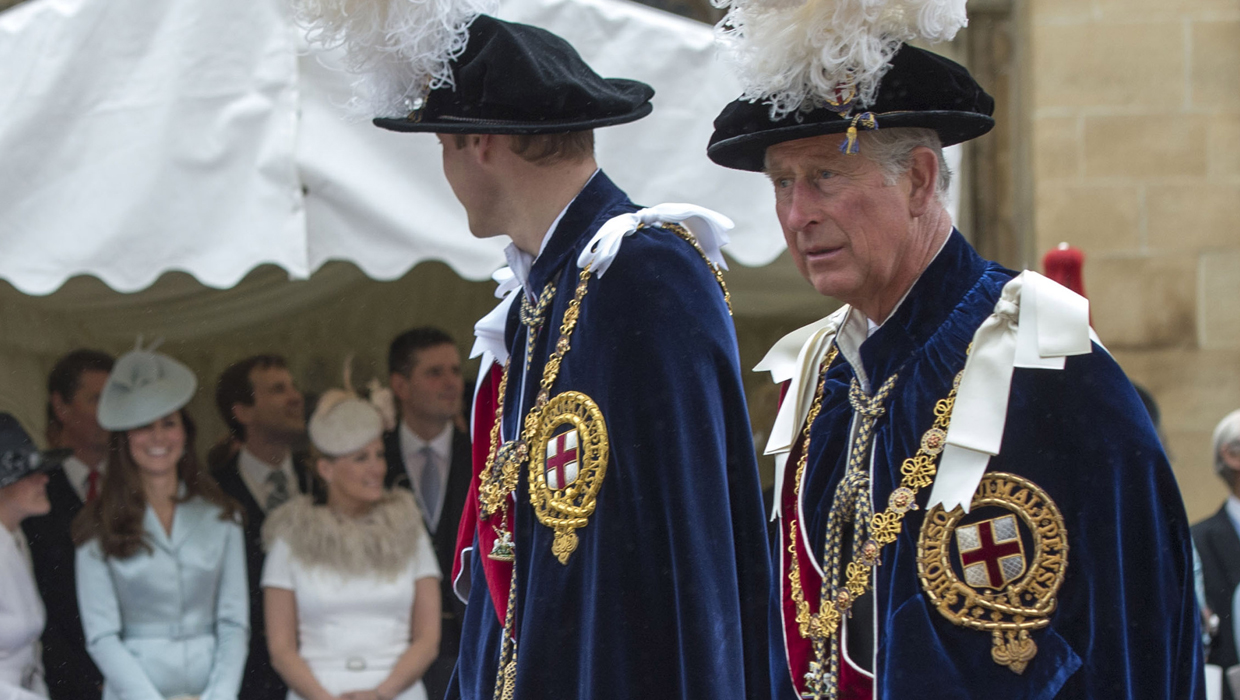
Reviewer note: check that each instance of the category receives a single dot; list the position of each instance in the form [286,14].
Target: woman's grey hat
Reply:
[19,457]
[143,387]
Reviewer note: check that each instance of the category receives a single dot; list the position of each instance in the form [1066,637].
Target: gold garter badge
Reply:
[998,568]
[568,458]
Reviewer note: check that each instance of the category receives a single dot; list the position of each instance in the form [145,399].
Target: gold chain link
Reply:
[496,487]
[491,491]
[506,675]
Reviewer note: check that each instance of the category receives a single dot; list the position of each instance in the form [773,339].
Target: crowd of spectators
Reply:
[302,559]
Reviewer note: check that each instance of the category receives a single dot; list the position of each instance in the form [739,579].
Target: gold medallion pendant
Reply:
[567,462]
[998,568]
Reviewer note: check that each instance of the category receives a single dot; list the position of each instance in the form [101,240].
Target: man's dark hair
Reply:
[404,346]
[235,387]
[547,149]
[66,377]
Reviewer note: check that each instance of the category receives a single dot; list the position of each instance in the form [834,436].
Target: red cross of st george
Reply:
[990,553]
[563,457]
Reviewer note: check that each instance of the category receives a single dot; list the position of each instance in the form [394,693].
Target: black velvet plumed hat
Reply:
[922,89]
[518,79]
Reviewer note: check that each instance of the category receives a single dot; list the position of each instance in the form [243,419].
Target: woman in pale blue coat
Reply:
[161,575]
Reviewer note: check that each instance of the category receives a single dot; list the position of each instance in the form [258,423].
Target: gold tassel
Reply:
[851,145]
[510,680]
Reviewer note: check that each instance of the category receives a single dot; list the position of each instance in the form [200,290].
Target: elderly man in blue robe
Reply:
[972,500]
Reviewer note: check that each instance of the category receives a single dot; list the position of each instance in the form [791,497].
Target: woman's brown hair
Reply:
[115,517]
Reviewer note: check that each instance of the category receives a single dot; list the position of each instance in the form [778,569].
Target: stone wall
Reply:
[1135,110]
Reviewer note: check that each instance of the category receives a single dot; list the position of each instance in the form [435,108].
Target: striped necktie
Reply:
[277,489]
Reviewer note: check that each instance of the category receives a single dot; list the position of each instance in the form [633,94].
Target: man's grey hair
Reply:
[1226,436]
[892,151]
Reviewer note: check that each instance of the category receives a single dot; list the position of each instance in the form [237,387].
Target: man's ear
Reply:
[483,146]
[243,414]
[60,407]
[923,174]
[1231,456]
[400,386]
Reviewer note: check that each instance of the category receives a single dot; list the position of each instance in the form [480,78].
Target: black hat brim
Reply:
[462,125]
[49,460]
[748,151]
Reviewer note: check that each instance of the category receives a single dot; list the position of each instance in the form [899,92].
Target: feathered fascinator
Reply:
[344,422]
[800,55]
[399,49]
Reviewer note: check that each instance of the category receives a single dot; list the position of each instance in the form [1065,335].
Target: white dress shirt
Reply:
[254,472]
[78,474]
[411,446]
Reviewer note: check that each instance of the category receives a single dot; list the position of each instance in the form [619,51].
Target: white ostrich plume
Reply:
[399,49]
[796,54]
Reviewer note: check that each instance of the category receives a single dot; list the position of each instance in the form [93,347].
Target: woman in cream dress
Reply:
[351,586]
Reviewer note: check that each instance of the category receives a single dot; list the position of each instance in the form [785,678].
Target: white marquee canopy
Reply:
[141,137]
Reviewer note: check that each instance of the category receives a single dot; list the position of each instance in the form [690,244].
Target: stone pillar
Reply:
[1135,108]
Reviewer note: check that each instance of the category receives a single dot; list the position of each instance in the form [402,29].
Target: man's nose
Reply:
[802,210]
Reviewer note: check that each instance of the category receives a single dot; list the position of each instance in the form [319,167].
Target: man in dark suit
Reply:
[429,455]
[1218,544]
[73,391]
[265,414]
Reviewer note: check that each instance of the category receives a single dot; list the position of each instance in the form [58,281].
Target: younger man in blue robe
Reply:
[613,544]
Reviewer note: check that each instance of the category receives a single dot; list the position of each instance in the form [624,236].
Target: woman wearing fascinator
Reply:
[351,583]
[161,575]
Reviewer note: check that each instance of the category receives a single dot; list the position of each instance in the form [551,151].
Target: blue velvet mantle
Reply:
[665,595]
[1126,624]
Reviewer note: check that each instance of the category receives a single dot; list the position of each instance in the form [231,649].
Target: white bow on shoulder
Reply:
[1036,324]
[710,228]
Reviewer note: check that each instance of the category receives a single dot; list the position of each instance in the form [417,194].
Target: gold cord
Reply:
[918,472]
